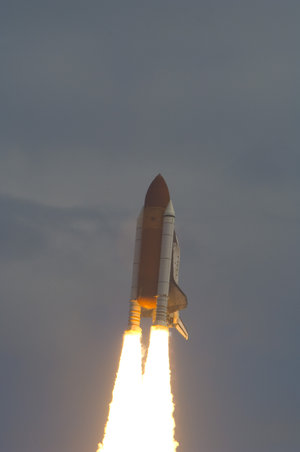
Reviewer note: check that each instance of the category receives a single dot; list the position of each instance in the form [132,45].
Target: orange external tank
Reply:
[156,201]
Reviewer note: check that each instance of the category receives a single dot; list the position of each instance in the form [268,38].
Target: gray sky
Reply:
[96,99]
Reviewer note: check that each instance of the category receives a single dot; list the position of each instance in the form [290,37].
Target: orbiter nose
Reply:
[158,193]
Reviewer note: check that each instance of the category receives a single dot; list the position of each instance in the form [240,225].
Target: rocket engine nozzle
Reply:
[134,319]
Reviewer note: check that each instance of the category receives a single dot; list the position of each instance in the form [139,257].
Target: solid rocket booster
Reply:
[165,265]
[154,291]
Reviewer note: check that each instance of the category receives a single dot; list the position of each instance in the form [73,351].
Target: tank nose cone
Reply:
[158,193]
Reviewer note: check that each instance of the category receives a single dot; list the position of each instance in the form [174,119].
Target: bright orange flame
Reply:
[122,427]
[141,411]
[157,395]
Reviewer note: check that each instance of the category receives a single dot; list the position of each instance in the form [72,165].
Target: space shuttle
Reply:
[155,292]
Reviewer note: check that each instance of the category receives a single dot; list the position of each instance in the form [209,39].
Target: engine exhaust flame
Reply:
[141,411]
[157,395]
[122,430]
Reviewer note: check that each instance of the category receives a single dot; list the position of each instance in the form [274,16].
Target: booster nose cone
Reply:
[158,193]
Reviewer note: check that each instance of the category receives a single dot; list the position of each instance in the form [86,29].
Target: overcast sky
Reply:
[97,97]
